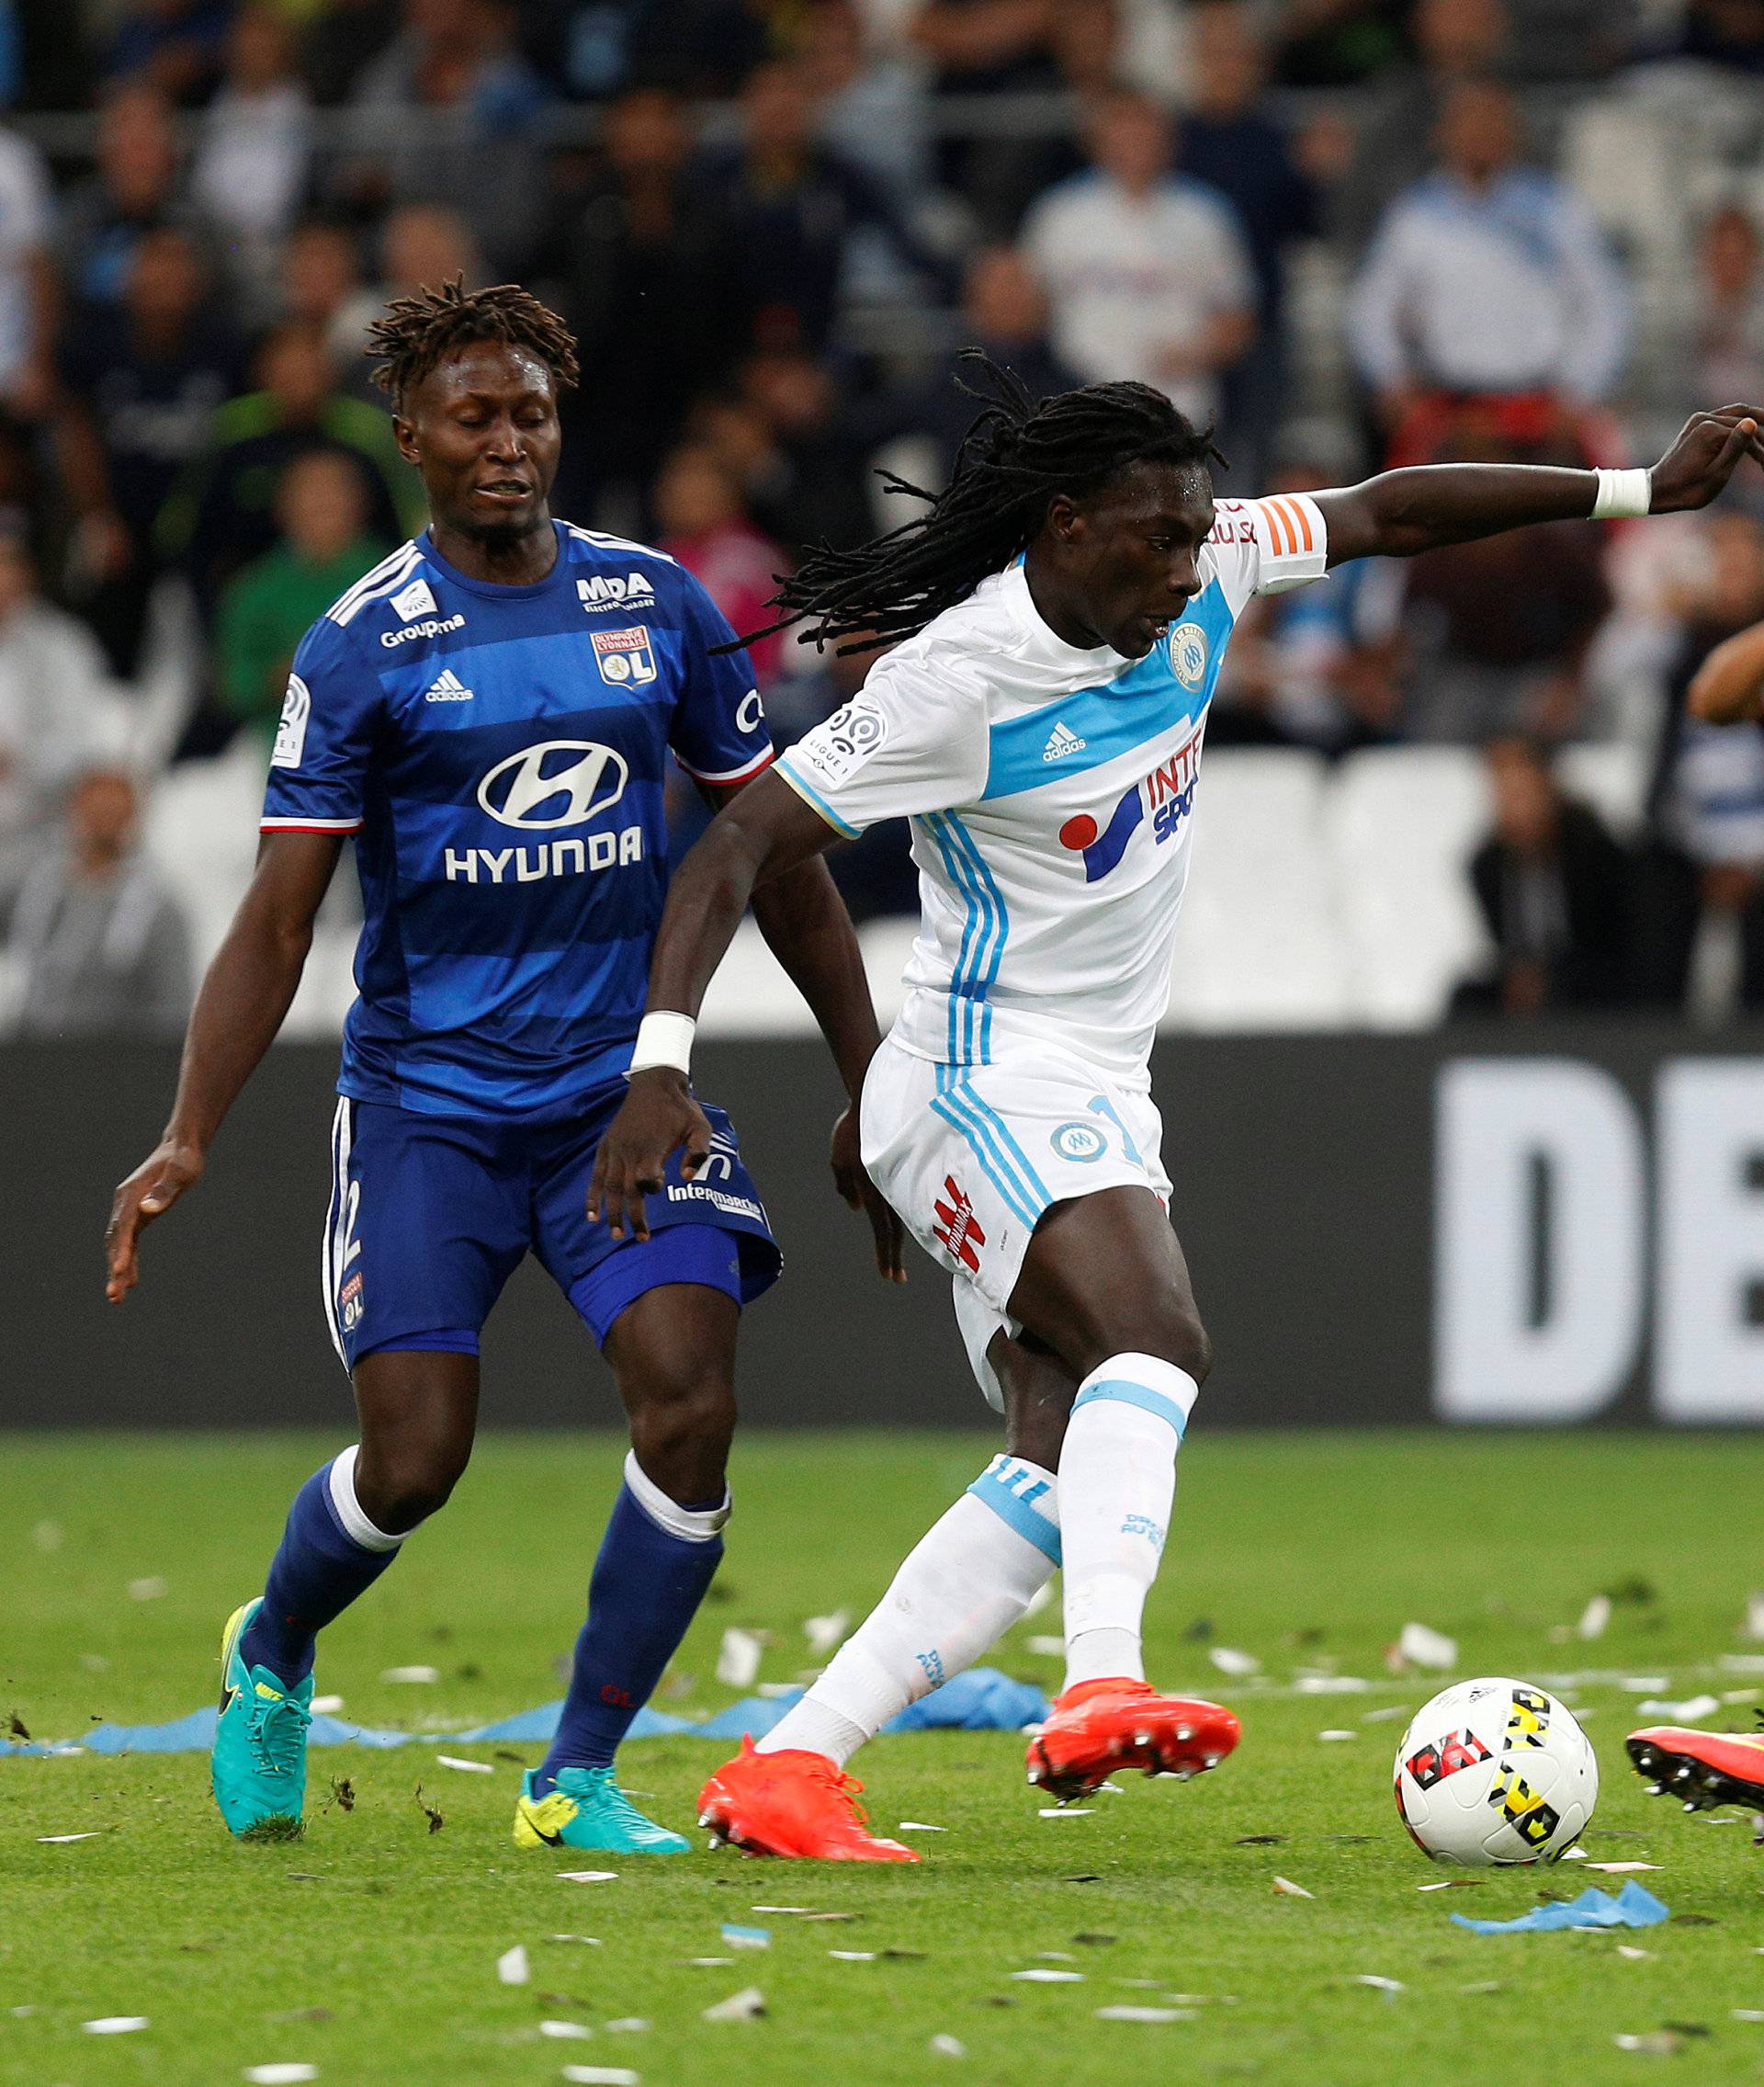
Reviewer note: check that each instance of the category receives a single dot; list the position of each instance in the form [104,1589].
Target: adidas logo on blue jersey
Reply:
[446,687]
[1062,741]
[605,590]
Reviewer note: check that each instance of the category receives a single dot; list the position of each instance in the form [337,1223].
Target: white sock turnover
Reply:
[968,1579]
[1117,1477]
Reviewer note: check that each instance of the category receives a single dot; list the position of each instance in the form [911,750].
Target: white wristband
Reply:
[662,1040]
[1623,494]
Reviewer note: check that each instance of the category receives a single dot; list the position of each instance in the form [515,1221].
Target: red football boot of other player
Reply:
[1115,1723]
[792,1803]
[1702,1769]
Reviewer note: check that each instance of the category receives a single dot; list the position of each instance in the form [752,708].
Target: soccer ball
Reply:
[1494,1772]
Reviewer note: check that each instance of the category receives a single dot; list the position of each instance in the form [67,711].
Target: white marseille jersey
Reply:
[1051,791]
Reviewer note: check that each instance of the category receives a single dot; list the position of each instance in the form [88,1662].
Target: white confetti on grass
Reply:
[513,1967]
[586,1875]
[603,2076]
[1693,1710]
[62,1839]
[948,2047]
[737,1662]
[326,1706]
[1746,2013]
[1044,1647]
[1066,1810]
[150,1587]
[469,1767]
[592,1940]
[1628,1951]
[1622,1869]
[736,1936]
[115,2025]
[1388,1987]
[784,1909]
[1594,1617]
[918,1826]
[1288,1889]
[48,1535]
[1338,1732]
[410,1675]
[1386,1714]
[565,2030]
[1040,1976]
[824,1632]
[626,2025]
[281,2075]
[1145,2013]
[1337,1684]
[743,2006]
[853,1956]
[1422,1646]
[1228,1661]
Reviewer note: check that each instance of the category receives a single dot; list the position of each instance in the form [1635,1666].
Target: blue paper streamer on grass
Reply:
[1632,1907]
[981,1700]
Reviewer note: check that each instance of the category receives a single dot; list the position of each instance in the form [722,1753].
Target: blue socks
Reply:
[655,1562]
[330,1553]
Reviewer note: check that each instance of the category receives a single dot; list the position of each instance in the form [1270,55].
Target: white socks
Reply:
[1117,1477]
[969,1577]
[356,1525]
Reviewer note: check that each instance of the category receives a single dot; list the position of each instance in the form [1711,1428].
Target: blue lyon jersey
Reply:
[501,754]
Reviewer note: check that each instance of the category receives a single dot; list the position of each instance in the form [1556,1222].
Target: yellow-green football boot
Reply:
[588,1809]
[259,1765]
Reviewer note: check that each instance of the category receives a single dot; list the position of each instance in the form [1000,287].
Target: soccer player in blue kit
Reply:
[489,713]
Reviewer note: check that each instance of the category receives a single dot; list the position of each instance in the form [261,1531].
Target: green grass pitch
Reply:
[369,1949]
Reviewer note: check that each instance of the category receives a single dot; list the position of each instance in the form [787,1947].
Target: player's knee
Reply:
[401,1484]
[1189,1345]
[683,1424]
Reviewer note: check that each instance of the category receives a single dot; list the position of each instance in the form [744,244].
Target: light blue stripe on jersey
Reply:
[961,1012]
[983,937]
[813,796]
[1002,1158]
[987,971]
[1126,1393]
[1017,1507]
[1139,706]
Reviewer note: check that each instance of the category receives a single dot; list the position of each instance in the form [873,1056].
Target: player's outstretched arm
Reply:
[244,998]
[1729,684]
[766,832]
[1403,512]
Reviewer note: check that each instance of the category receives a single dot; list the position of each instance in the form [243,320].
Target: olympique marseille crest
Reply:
[624,656]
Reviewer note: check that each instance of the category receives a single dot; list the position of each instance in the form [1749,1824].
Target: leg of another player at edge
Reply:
[673,1352]
[971,1576]
[418,1412]
[1104,1284]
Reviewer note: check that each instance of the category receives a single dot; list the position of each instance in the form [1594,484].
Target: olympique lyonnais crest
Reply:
[623,656]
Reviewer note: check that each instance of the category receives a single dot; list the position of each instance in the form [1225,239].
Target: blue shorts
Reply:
[431,1215]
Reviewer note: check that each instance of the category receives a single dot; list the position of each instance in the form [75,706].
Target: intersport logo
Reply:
[560,782]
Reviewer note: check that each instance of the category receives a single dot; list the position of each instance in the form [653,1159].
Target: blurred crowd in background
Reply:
[1350,233]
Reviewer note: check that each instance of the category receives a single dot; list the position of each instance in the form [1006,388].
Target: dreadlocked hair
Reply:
[416,332]
[1017,455]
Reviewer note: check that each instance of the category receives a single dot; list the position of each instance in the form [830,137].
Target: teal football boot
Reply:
[588,1809]
[258,1765]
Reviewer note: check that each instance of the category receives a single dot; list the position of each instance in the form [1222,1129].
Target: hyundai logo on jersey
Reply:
[531,790]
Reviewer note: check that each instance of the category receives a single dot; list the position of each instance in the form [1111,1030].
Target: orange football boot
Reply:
[792,1803]
[1097,1726]
[1702,1769]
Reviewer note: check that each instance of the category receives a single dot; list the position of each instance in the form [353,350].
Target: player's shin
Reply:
[971,1577]
[1117,1477]
[330,1553]
[655,1563]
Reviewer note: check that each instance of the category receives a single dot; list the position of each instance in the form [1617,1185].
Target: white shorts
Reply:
[970,1156]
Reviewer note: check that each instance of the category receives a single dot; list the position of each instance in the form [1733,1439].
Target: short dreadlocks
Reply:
[419,331]
[1018,454]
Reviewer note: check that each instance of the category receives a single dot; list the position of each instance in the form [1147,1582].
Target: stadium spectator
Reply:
[173,45]
[448,114]
[418,243]
[701,48]
[1727,310]
[700,521]
[992,48]
[1554,890]
[807,486]
[142,386]
[1487,278]
[637,255]
[1455,42]
[1338,43]
[341,40]
[54,705]
[1146,273]
[249,176]
[135,188]
[27,289]
[1725,33]
[791,207]
[871,103]
[323,548]
[223,513]
[1232,139]
[322,286]
[98,944]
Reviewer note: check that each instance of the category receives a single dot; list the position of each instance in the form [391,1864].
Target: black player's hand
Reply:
[657,1117]
[861,1193]
[155,1185]
[1707,453]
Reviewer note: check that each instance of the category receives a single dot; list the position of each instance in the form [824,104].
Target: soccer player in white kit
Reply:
[1063,610]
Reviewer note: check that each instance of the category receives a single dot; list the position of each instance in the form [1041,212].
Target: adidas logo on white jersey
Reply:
[1062,741]
[605,590]
[446,687]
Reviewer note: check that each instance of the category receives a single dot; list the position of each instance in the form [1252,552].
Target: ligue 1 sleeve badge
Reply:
[1188,654]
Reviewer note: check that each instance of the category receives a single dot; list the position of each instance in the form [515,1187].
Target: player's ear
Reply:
[404,434]
[1064,518]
